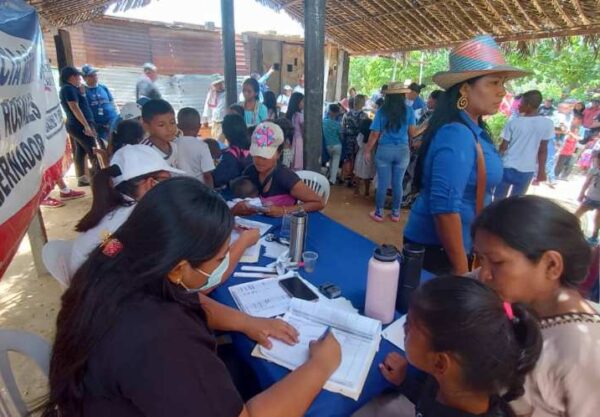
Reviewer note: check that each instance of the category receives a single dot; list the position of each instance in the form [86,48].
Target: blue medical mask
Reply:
[214,279]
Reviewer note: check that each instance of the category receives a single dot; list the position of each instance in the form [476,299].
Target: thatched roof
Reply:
[70,12]
[385,26]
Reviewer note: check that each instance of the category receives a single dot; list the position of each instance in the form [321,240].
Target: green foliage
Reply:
[572,70]
[496,123]
[369,73]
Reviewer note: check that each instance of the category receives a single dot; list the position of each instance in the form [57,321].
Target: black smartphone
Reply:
[276,67]
[298,289]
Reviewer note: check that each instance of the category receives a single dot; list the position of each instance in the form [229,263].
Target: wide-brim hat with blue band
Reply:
[474,58]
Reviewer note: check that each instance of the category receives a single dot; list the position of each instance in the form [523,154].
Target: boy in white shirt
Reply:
[158,118]
[524,147]
[194,155]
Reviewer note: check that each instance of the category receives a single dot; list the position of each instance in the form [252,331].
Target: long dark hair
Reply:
[235,131]
[294,104]
[128,132]
[446,111]
[255,86]
[270,101]
[467,318]
[535,225]
[394,109]
[154,242]
[106,198]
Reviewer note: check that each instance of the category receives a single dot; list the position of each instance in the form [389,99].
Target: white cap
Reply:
[149,66]
[287,87]
[131,110]
[266,139]
[136,160]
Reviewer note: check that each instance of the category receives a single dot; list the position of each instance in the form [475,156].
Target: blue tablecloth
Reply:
[343,260]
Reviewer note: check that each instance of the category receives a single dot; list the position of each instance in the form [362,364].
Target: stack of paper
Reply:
[358,336]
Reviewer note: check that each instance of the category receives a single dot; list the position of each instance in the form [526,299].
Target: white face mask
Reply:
[214,278]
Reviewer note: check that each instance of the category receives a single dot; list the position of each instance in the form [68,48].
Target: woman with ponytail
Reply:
[532,251]
[134,170]
[134,338]
[475,348]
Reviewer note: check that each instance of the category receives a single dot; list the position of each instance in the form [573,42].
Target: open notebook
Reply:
[359,337]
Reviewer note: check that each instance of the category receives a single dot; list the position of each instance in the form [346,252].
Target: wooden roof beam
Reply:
[515,18]
[562,13]
[468,16]
[527,16]
[582,15]
[458,22]
[495,12]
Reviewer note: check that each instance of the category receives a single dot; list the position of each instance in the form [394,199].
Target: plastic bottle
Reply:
[382,284]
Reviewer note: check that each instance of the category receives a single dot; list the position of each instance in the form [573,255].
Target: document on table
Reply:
[358,336]
[394,333]
[261,298]
[251,254]
[262,227]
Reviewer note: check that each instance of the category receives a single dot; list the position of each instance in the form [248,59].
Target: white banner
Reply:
[32,133]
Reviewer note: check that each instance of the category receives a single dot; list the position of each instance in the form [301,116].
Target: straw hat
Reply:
[396,87]
[474,58]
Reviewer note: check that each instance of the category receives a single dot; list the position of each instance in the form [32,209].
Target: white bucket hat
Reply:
[136,160]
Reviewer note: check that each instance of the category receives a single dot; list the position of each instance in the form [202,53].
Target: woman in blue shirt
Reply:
[446,170]
[390,129]
[254,111]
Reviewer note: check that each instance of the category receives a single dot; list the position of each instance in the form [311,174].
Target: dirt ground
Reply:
[30,302]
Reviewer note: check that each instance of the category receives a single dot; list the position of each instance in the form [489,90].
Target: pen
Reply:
[325,333]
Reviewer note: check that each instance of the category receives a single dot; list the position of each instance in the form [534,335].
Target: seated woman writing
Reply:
[134,339]
[280,188]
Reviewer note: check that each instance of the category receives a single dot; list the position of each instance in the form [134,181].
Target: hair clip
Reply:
[111,246]
[508,310]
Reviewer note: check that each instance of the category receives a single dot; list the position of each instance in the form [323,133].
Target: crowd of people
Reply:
[156,242]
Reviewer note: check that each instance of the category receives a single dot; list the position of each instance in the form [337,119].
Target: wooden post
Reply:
[228,35]
[64,53]
[37,239]
[341,87]
[314,40]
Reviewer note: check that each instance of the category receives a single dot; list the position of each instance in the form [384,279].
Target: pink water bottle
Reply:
[382,284]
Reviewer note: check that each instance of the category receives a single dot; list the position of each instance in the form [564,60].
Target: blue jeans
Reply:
[391,162]
[519,181]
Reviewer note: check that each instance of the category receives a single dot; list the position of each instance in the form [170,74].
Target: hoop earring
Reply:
[462,103]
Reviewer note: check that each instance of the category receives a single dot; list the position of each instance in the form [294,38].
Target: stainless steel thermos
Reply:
[298,229]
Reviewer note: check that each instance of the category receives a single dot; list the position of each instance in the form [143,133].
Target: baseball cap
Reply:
[131,110]
[136,160]
[216,79]
[87,69]
[266,139]
[149,66]
[287,87]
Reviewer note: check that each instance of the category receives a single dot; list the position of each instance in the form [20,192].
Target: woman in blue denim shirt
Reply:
[446,170]
[392,125]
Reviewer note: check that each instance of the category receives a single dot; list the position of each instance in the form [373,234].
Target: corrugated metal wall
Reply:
[175,49]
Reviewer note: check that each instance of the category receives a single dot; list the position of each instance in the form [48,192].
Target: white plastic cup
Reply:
[310,260]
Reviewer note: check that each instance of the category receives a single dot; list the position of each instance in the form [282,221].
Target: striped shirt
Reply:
[170,157]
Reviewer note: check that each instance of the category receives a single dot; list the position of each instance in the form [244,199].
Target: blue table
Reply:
[343,260]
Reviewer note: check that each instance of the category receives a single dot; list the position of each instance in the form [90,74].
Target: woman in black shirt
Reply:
[132,337]
[279,187]
[80,120]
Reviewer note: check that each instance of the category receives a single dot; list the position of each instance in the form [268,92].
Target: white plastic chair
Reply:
[56,255]
[30,345]
[316,182]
